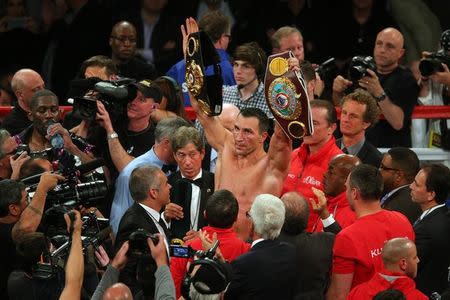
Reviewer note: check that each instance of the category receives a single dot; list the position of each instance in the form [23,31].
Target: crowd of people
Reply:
[127,197]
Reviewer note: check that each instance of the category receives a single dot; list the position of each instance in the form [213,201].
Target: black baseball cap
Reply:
[149,89]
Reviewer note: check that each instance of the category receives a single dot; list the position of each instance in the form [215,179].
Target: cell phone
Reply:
[180,251]
[16,23]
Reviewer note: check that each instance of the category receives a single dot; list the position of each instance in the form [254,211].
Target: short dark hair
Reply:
[254,55]
[368,180]
[307,70]
[438,181]
[264,122]
[100,61]
[214,23]
[141,180]
[30,247]
[297,213]
[331,111]
[10,193]
[30,168]
[406,160]
[364,97]
[390,294]
[42,93]
[221,209]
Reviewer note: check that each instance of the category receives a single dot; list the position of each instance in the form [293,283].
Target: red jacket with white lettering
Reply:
[386,280]
[306,171]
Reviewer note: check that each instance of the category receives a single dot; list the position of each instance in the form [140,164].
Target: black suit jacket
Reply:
[134,218]
[433,249]
[315,252]
[368,154]
[267,271]
[401,201]
[181,194]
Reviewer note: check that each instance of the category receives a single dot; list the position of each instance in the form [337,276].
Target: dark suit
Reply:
[181,194]
[268,271]
[315,252]
[136,217]
[401,201]
[433,249]
[368,154]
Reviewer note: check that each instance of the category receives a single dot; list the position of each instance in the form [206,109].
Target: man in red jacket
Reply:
[400,268]
[221,212]
[334,211]
[310,161]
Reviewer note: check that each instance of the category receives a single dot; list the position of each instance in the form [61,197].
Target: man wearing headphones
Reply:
[248,68]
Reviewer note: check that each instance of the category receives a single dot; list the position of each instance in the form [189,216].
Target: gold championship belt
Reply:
[207,89]
[287,97]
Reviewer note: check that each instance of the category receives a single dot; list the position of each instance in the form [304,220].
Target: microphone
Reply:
[241,86]
[90,166]
[56,140]
[112,90]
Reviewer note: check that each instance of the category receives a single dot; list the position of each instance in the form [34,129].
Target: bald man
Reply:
[400,268]
[393,86]
[118,291]
[24,83]
[123,53]
[334,212]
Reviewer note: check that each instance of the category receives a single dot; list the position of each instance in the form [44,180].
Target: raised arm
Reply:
[280,150]
[119,156]
[32,214]
[75,262]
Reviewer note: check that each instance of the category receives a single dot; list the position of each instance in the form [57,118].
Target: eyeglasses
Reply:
[123,39]
[383,167]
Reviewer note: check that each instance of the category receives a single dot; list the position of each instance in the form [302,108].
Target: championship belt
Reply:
[287,97]
[207,89]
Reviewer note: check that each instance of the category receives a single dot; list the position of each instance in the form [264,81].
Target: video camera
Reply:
[115,95]
[327,69]
[359,66]
[433,63]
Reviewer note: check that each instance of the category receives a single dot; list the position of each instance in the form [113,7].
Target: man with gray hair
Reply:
[400,268]
[161,155]
[269,270]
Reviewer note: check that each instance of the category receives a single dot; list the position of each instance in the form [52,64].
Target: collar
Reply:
[303,151]
[388,195]
[259,90]
[354,149]
[428,211]
[199,175]
[153,213]
[256,242]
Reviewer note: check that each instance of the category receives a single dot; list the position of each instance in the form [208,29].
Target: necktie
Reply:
[171,168]
[345,150]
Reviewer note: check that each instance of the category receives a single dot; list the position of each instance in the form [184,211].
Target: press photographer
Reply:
[18,217]
[394,88]
[34,252]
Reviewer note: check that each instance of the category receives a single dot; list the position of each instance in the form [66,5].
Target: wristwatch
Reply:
[112,135]
[381,97]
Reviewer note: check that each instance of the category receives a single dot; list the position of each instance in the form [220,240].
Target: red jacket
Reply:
[341,211]
[306,171]
[384,281]
[230,246]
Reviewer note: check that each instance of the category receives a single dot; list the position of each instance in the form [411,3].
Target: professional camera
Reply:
[433,63]
[359,66]
[114,95]
[327,69]
[138,242]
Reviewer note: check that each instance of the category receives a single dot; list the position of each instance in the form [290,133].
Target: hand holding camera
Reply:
[120,260]
[103,117]
[158,250]
[371,83]
[73,221]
